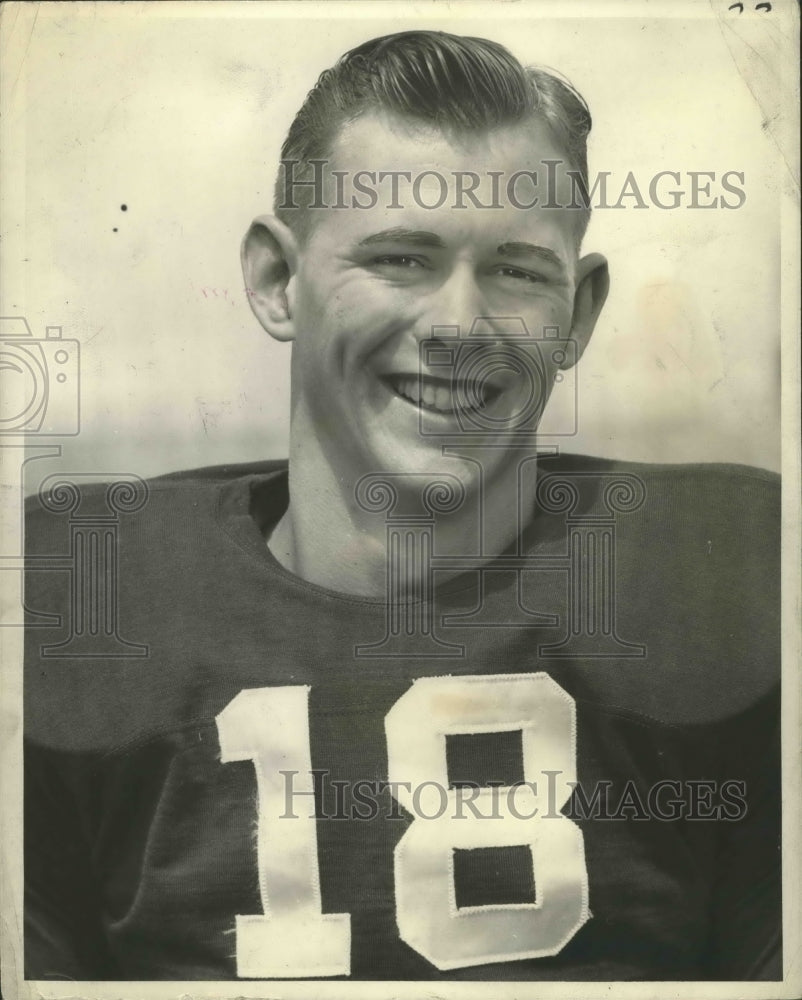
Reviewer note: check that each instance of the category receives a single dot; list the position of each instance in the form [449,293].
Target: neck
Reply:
[331,537]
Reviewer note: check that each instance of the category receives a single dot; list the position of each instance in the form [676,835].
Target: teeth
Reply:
[442,398]
[435,396]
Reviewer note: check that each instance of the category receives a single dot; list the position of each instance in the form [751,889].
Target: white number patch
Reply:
[294,938]
[270,726]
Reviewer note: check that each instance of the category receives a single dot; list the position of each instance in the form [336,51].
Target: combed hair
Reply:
[450,81]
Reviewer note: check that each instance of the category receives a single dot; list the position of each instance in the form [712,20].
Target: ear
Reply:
[269,260]
[593,284]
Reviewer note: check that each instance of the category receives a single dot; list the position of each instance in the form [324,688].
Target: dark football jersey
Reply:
[564,766]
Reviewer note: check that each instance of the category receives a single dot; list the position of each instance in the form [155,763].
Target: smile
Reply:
[442,395]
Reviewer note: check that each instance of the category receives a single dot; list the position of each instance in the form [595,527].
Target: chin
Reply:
[412,471]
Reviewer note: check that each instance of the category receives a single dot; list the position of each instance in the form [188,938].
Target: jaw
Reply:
[493,483]
[377,426]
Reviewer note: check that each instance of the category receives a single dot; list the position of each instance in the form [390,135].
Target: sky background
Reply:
[180,119]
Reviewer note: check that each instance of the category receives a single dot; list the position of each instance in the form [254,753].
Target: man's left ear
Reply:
[593,284]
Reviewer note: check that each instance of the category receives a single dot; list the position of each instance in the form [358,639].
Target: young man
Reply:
[424,704]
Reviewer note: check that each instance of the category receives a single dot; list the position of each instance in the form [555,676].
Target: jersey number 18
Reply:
[294,938]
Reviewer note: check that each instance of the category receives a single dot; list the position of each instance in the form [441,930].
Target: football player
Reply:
[421,703]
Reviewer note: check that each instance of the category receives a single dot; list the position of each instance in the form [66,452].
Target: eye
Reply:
[398,260]
[516,273]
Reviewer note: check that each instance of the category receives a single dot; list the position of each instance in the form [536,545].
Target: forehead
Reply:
[384,137]
[508,182]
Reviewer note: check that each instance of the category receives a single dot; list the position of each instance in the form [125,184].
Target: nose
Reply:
[457,308]
[501,329]
[454,306]
[458,336]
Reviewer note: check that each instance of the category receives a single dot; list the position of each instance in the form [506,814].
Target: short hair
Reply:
[449,81]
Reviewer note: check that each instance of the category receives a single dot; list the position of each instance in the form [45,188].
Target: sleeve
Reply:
[747,892]
[64,936]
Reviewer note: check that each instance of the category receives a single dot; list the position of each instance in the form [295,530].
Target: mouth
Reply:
[445,396]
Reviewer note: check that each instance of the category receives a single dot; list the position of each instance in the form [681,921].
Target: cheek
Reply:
[550,328]
[551,312]
[352,317]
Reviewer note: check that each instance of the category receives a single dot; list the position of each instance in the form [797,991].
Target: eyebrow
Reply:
[423,238]
[530,250]
[412,237]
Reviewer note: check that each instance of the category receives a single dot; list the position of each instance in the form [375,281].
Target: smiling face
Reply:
[369,286]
